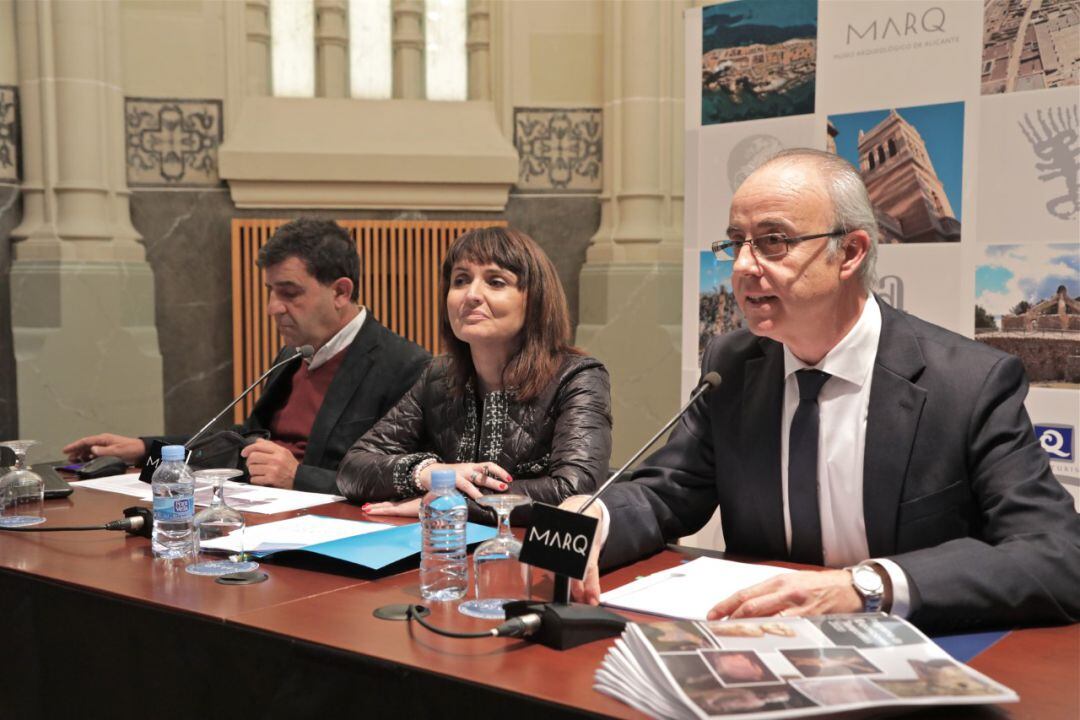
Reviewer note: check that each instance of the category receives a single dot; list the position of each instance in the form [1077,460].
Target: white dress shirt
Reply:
[341,340]
[843,403]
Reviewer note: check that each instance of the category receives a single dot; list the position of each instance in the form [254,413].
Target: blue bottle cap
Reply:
[443,479]
[171,453]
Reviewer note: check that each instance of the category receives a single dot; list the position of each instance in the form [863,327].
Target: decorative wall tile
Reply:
[172,142]
[559,149]
[9,133]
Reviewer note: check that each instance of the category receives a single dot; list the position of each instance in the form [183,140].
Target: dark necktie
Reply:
[802,471]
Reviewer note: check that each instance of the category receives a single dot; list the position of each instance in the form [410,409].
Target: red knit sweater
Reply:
[291,425]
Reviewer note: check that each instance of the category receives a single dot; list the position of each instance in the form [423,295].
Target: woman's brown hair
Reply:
[545,336]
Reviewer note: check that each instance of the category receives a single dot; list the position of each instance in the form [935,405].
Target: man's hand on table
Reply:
[270,464]
[130,450]
[810,592]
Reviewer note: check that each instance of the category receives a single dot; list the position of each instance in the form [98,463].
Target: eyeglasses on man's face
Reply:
[770,246]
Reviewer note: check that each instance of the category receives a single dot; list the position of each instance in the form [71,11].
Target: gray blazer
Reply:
[957,490]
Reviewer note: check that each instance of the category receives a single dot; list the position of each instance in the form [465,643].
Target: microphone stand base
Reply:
[567,625]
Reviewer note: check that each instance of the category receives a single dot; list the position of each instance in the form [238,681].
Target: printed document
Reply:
[240,496]
[689,590]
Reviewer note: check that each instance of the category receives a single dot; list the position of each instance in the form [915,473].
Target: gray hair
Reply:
[852,209]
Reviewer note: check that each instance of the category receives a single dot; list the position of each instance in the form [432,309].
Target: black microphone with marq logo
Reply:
[560,541]
[304,351]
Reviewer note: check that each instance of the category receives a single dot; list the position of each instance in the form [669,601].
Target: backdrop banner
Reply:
[963,119]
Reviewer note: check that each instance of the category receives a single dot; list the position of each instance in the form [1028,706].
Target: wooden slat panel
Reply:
[399,282]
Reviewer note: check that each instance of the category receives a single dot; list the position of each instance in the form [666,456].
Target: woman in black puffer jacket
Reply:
[511,406]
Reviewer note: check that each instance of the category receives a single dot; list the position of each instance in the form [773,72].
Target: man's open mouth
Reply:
[760,299]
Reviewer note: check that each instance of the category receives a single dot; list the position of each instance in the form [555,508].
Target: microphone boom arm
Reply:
[707,383]
[304,351]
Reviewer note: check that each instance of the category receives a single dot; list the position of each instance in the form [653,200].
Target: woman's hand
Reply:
[471,477]
[401,508]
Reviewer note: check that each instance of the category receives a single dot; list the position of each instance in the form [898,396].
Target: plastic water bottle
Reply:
[173,486]
[444,568]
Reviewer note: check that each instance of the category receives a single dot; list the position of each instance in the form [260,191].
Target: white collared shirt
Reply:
[843,403]
[341,340]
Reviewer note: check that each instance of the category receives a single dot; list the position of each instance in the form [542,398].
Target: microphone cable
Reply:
[521,626]
[137,521]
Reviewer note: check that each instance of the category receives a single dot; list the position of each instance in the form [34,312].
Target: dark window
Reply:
[892,147]
[881,155]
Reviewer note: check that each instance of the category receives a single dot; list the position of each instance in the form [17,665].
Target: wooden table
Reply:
[93,624]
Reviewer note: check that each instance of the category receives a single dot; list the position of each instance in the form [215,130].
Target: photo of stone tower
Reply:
[911,159]
[903,185]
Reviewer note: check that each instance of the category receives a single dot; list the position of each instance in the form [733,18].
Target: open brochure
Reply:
[786,667]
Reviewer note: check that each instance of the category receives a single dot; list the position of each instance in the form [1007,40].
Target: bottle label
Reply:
[174,509]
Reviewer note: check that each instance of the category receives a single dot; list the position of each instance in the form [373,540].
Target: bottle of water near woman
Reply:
[444,569]
[173,486]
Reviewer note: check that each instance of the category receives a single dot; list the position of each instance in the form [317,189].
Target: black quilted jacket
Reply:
[554,446]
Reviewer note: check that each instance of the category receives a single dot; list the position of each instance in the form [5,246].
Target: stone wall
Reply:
[1046,360]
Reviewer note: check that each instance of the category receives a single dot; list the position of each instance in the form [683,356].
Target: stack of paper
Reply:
[786,667]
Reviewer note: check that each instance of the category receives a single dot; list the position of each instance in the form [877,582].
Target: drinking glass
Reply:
[500,577]
[22,491]
[215,521]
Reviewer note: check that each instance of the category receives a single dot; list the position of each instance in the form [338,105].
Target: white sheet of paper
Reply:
[292,533]
[265,500]
[127,484]
[689,590]
[240,496]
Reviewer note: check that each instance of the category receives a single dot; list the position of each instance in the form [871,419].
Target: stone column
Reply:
[631,285]
[82,309]
[331,49]
[408,48]
[257,29]
[478,45]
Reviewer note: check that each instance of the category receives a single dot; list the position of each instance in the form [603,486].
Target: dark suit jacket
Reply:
[379,368]
[957,490]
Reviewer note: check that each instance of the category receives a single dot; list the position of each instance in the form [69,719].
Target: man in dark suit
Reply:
[314,409]
[851,435]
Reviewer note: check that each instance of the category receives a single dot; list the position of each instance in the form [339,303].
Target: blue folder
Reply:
[965,646]
[376,550]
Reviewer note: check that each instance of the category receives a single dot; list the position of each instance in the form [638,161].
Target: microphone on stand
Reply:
[709,382]
[304,351]
[561,541]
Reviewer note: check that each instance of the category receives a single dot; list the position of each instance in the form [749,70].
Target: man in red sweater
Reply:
[314,409]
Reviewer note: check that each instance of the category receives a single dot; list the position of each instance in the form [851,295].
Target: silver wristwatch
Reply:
[869,585]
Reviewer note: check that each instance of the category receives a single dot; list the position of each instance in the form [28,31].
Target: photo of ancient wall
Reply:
[718,312]
[911,160]
[1030,45]
[1026,304]
[758,60]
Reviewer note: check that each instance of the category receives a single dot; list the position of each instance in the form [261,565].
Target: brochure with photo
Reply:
[786,667]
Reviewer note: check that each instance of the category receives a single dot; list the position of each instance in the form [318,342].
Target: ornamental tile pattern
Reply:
[172,142]
[559,149]
[9,134]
